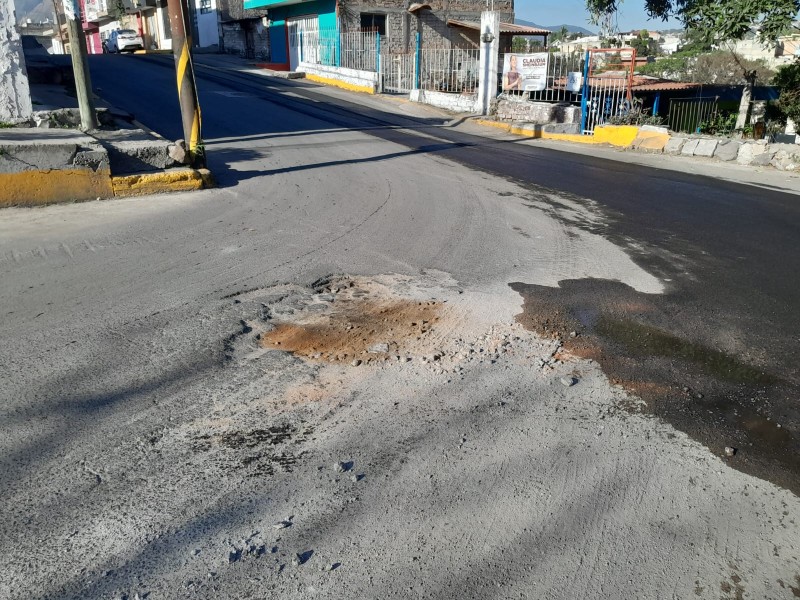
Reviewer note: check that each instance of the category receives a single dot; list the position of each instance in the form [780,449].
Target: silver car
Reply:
[124,40]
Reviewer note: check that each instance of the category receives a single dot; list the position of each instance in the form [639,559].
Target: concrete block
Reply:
[705,148]
[689,147]
[727,150]
[29,157]
[654,128]
[653,139]
[674,145]
[92,159]
[136,156]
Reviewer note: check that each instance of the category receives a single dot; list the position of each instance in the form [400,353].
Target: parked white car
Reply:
[124,40]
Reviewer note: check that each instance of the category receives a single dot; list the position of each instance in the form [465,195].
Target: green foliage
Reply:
[720,123]
[721,67]
[788,80]
[644,44]
[718,19]
[117,9]
[4,125]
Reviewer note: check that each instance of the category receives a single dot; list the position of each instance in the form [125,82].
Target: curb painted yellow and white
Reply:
[352,87]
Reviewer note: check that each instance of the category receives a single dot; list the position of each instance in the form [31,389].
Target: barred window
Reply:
[205,7]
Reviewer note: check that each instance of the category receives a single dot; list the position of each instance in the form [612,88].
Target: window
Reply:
[372,22]
[205,7]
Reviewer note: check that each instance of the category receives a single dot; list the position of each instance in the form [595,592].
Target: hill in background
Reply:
[554,28]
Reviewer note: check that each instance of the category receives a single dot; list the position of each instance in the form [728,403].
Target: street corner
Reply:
[173,180]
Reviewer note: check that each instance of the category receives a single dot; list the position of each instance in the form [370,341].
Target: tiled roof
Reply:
[504,27]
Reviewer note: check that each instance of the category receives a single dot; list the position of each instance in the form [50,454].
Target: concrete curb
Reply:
[536,132]
[174,180]
[352,87]
[50,186]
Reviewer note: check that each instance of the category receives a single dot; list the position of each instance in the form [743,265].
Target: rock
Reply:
[761,160]
[282,525]
[748,152]
[573,334]
[343,467]
[568,381]
[730,451]
[705,148]
[356,363]
[378,348]
[177,152]
[689,147]
[727,150]
[674,145]
[331,566]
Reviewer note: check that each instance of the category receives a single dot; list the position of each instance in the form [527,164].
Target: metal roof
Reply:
[504,27]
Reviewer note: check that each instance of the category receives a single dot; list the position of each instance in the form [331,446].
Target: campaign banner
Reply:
[525,72]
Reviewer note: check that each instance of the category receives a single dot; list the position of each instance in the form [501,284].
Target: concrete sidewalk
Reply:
[52,161]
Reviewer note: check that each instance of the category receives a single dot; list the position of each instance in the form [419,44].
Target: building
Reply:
[439,23]
[243,31]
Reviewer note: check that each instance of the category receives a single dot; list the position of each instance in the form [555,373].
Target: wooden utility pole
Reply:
[187,91]
[80,65]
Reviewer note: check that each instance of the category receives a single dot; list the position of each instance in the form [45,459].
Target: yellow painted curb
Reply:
[51,186]
[183,180]
[152,51]
[365,89]
[544,135]
[616,135]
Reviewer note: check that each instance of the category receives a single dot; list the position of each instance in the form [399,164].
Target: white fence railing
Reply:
[449,70]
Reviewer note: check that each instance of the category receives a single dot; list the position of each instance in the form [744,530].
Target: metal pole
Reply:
[187,92]
[80,65]
[416,62]
[585,93]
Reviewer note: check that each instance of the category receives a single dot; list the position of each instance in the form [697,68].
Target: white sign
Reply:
[574,81]
[525,72]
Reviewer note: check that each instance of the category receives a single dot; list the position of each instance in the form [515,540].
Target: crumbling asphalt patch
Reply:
[648,345]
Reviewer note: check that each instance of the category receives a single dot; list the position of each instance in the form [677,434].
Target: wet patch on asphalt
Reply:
[649,345]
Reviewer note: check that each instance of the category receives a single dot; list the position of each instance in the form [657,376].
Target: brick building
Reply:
[243,31]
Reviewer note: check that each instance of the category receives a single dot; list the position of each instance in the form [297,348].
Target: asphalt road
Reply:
[191,407]
[725,251]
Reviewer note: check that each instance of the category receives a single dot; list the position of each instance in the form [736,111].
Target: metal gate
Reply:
[608,75]
[688,114]
[397,72]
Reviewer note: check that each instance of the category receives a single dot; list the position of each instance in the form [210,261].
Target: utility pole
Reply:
[80,65]
[187,91]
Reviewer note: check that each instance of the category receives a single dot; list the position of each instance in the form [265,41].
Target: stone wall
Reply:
[759,153]
[15,95]
[234,38]
[537,112]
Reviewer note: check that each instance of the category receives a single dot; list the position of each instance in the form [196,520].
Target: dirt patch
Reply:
[358,320]
[653,349]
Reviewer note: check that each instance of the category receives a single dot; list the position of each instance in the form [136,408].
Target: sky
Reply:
[630,15]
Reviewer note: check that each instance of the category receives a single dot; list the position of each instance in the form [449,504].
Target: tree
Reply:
[720,67]
[644,44]
[717,19]
[788,80]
